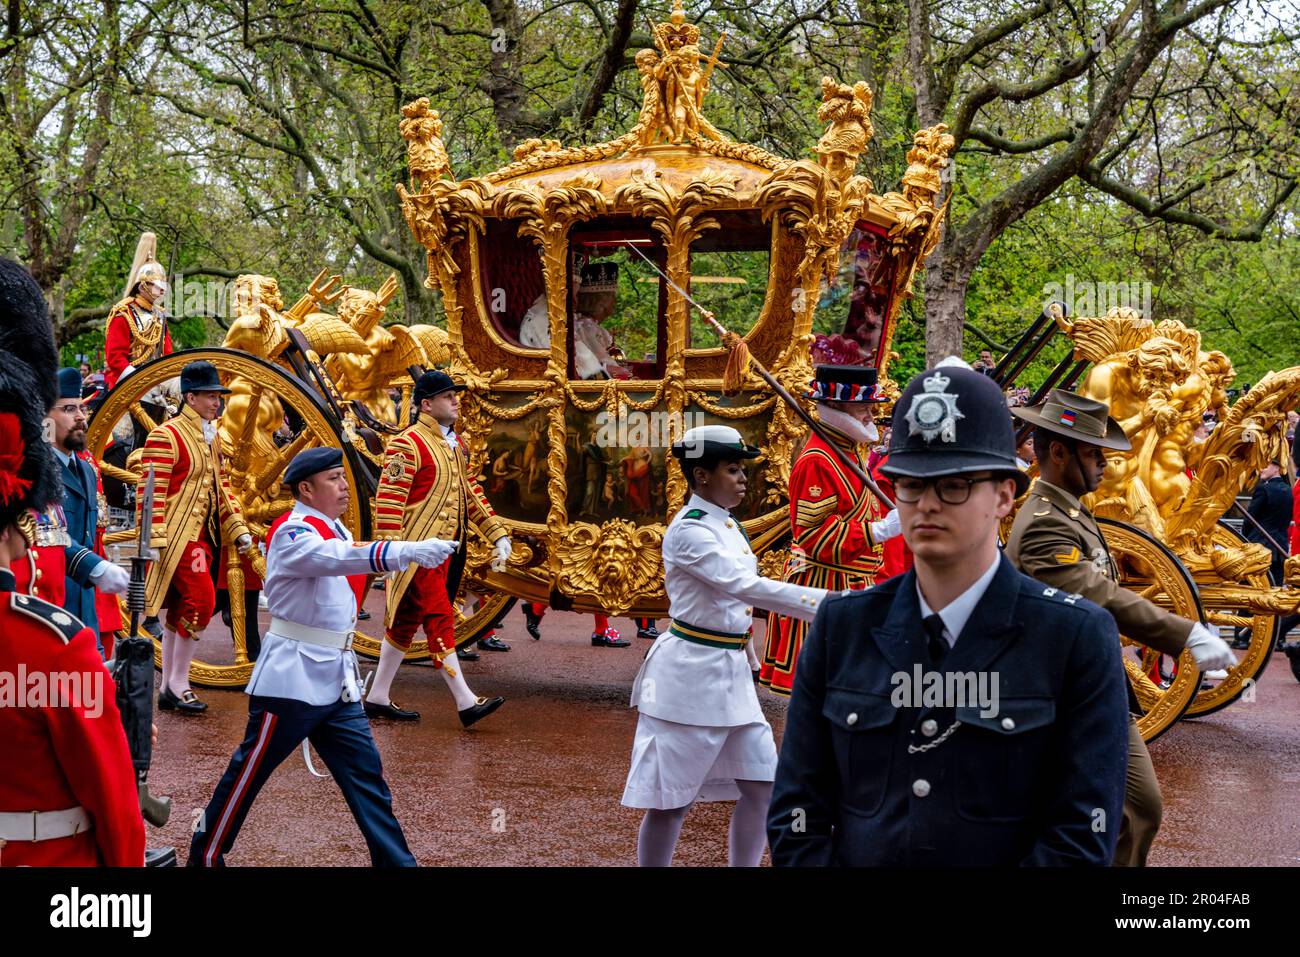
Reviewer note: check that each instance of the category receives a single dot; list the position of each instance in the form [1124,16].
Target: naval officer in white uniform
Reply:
[306,684]
[700,734]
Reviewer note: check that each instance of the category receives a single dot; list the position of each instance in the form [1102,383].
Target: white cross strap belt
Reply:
[43,825]
[312,636]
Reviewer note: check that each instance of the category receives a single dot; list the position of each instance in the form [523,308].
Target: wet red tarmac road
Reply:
[539,782]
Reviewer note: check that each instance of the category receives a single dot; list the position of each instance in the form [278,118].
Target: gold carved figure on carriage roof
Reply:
[680,82]
[427,158]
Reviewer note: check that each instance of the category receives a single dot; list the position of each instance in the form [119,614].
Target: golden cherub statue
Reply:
[425,154]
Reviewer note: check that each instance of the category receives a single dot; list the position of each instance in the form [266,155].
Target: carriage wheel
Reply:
[225,663]
[1263,633]
[1164,686]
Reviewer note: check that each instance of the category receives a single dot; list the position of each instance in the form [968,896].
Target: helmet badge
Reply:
[934,412]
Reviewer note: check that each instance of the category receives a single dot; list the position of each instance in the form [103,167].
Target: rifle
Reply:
[133,669]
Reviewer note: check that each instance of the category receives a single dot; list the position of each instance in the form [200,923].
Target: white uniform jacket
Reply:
[306,584]
[712,580]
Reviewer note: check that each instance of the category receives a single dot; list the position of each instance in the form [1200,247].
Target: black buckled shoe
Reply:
[467,654]
[186,703]
[493,643]
[608,638]
[649,631]
[363,615]
[390,711]
[479,710]
[532,622]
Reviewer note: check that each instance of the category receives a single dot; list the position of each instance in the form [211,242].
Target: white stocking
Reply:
[178,678]
[657,839]
[748,833]
[390,657]
[168,656]
[455,679]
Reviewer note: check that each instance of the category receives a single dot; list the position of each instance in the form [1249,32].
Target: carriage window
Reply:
[855,302]
[729,269]
[514,289]
[617,305]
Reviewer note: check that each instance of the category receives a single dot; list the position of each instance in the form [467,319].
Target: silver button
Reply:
[929,726]
[852,718]
[920,787]
[1008,724]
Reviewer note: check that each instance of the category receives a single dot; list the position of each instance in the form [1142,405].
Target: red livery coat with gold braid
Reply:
[830,516]
[425,492]
[189,490]
[132,337]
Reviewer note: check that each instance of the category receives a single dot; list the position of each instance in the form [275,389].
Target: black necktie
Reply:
[938,645]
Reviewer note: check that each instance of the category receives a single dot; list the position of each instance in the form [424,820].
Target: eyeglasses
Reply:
[71,409]
[951,489]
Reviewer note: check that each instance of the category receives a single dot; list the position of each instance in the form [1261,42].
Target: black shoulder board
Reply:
[65,625]
[694,513]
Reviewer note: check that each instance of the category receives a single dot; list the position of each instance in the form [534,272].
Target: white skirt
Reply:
[674,764]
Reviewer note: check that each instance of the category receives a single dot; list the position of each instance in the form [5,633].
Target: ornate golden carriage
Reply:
[573,456]
[577,465]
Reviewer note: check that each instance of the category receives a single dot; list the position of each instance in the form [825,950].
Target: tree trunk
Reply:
[945,307]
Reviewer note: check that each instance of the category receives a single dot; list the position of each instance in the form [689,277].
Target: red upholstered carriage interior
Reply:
[509,263]
[874,275]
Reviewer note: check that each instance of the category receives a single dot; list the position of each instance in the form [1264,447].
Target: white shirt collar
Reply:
[303,510]
[958,611]
[64,457]
[716,511]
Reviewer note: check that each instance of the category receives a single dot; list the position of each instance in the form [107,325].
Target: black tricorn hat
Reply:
[201,376]
[1077,417]
[434,382]
[950,420]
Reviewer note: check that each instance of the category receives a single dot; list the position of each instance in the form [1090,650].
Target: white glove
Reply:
[1210,651]
[110,578]
[432,552]
[126,372]
[888,527]
[501,553]
[244,543]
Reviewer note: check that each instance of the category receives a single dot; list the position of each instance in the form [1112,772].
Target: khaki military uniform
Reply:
[1056,540]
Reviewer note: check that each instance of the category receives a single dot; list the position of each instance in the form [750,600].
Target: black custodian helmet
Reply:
[950,420]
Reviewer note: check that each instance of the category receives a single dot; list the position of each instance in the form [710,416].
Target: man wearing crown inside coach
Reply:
[962,713]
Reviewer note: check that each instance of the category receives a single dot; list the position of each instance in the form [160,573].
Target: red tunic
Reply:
[830,515]
[62,756]
[117,345]
[896,557]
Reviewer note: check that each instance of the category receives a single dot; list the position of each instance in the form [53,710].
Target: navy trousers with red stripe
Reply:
[340,733]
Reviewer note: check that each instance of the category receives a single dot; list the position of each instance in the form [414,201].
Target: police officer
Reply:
[701,735]
[68,788]
[1056,540]
[886,759]
[306,684]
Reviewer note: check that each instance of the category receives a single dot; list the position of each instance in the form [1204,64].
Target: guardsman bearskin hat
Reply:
[950,420]
[29,475]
